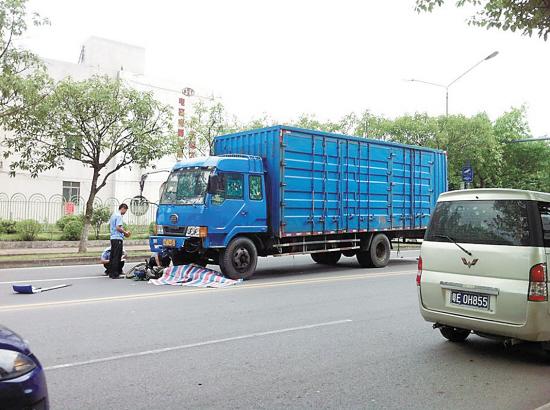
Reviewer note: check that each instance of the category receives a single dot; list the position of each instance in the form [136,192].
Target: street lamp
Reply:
[446,86]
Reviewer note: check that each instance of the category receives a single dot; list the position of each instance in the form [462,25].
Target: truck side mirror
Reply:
[161,189]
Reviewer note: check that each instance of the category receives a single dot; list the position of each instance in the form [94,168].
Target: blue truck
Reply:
[285,191]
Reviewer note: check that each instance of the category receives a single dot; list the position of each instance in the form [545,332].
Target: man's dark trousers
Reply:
[116,254]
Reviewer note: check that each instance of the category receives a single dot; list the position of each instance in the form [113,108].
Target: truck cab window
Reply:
[255,187]
[230,186]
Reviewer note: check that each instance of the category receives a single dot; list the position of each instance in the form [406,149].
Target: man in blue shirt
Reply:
[117,236]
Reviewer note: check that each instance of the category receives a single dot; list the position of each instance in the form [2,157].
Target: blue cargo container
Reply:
[287,190]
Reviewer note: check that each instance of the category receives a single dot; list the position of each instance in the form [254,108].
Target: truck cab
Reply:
[205,203]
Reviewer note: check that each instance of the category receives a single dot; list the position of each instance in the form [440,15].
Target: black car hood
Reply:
[12,341]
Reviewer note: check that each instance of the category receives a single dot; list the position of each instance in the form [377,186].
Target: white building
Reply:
[117,60]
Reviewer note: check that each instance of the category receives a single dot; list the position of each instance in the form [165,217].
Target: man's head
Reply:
[123,208]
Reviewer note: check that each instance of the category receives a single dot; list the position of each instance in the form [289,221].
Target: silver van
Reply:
[483,265]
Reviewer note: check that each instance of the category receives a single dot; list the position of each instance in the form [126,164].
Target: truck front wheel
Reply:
[239,259]
[378,255]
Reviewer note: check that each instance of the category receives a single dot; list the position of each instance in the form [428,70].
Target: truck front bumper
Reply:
[158,243]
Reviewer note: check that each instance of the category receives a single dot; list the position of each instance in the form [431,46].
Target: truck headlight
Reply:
[159,230]
[197,231]
[14,364]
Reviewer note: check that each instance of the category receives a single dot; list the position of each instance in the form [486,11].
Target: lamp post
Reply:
[446,86]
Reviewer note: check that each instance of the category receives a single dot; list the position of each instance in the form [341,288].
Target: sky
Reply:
[285,58]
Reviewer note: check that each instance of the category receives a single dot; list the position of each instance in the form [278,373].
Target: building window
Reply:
[71,191]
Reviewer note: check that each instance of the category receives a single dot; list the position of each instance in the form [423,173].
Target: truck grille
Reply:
[175,230]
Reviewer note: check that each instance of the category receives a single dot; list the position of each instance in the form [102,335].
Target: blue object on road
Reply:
[29,289]
[22,379]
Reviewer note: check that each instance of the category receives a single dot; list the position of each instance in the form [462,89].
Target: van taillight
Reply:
[538,289]
[419,273]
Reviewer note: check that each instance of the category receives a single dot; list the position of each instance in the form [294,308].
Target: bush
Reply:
[28,229]
[7,226]
[61,222]
[152,228]
[72,230]
[99,217]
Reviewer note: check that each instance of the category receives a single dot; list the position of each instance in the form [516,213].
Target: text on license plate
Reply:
[470,299]
[169,242]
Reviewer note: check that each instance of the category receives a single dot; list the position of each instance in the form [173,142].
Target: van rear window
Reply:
[482,222]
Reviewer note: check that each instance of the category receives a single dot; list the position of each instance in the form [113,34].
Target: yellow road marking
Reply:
[195,291]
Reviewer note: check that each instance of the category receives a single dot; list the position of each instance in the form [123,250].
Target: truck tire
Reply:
[378,255]
[326,258]
[454,334]
[239,259]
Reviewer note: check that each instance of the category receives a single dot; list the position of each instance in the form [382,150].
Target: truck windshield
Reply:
[185,187]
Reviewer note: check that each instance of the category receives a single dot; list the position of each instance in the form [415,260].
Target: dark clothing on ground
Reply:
[115,268]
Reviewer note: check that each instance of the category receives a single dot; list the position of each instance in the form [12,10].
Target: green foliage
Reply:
[28,229]
[152,228]
[527,16]
[21,72]
[72,231]
[209,120]
[7,226]
[64,220]
[99,122]
[100,216]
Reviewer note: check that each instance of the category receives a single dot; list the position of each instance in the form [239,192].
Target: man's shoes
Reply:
[115,276]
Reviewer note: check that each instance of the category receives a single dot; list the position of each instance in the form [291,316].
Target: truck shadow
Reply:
[297,268]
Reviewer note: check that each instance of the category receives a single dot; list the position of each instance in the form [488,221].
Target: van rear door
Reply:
[476,257]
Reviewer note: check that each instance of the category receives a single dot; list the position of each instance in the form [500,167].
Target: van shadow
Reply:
[478,348]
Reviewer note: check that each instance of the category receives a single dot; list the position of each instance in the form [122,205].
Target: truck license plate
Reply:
[169,242]
[476,300]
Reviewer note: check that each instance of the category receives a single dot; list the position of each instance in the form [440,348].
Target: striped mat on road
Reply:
[193,275]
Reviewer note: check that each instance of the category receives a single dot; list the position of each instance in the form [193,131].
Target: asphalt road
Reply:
[298,335]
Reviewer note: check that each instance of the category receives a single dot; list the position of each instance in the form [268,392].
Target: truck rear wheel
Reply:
[239,259]
[378,255]
[326,258]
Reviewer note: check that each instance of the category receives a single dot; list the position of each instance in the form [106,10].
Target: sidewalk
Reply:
[45,251]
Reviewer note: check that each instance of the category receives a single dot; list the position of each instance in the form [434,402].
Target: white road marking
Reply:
[52,279]
[192,345]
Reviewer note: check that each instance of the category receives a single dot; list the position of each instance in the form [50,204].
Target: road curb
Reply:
[92,260]
[544,407]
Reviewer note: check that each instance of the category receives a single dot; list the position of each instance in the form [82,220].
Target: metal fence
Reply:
[47,211]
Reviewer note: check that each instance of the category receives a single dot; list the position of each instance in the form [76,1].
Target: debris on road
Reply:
[29,289]
[193,275]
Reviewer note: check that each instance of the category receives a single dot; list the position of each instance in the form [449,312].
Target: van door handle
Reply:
[243,213]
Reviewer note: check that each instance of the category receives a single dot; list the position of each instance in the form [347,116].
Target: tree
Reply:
[527,16]
[524,165]
[99,122]
[21,71]
[209,120]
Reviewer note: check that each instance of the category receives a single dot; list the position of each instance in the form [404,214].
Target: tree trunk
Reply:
[83,246]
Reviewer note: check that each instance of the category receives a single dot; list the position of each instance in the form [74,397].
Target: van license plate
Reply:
[476,300]
[169,242]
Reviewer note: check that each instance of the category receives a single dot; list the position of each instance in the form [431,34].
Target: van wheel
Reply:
[239,259]
[326,258]
[454,334]
[378,254]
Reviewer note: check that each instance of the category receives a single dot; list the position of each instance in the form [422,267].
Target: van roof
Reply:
[494,194]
